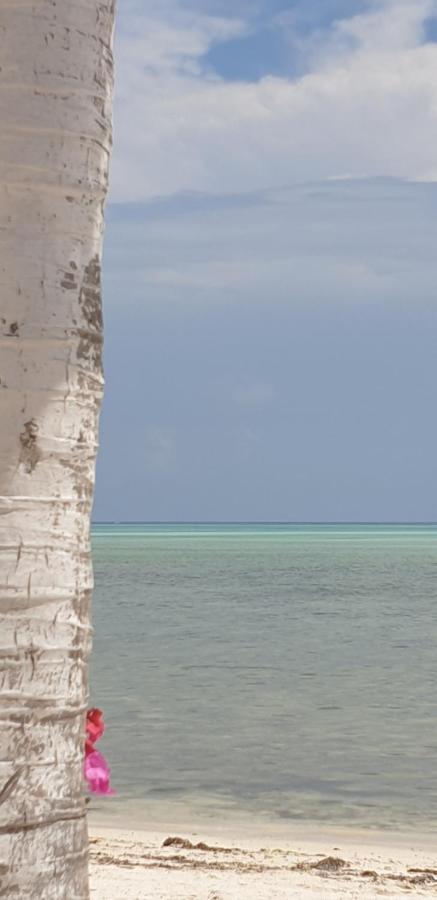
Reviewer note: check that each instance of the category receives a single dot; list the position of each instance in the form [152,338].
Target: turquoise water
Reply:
[272,671]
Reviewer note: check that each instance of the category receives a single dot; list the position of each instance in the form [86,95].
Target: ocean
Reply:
[271,672]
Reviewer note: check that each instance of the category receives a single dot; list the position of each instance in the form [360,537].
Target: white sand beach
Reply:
[278,863]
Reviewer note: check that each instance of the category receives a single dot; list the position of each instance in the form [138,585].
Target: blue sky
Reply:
[275,37]
[270,263]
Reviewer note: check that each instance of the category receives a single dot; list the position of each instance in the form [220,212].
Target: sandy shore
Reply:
[259,864]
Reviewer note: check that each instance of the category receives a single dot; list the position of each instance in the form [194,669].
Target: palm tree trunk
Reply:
[55,138]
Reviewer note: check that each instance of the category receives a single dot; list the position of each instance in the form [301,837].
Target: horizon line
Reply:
[259,522]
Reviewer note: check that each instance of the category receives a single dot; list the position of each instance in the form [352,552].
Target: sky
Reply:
[270,263]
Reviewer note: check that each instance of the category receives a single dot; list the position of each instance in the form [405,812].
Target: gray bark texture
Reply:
[55,140]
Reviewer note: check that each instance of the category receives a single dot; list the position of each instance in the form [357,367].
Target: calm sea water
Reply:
[272,671]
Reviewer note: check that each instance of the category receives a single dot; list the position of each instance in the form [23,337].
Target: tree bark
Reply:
[55,139]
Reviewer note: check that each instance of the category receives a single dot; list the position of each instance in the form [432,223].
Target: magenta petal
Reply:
[96,772]
[94,724]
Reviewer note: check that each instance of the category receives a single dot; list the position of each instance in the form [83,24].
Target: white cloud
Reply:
[342,241]
[387,25]
[368,107]
[158,46]
[390,26]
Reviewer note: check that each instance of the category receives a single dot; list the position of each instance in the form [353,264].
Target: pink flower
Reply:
[94,725]
[96,772]
[96,769]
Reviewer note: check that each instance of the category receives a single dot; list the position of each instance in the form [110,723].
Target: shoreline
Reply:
[227,861]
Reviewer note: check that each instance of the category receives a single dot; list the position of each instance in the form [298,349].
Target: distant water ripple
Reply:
[276,671]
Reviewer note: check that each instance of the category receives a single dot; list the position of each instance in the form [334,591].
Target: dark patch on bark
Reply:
[90,295]
[83,484]
[32,654]
[82,605]
[9,891]
[8,788]
[30,453]
[13,329]
[90,349]
[90,335]
[99,103]
[69,282]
